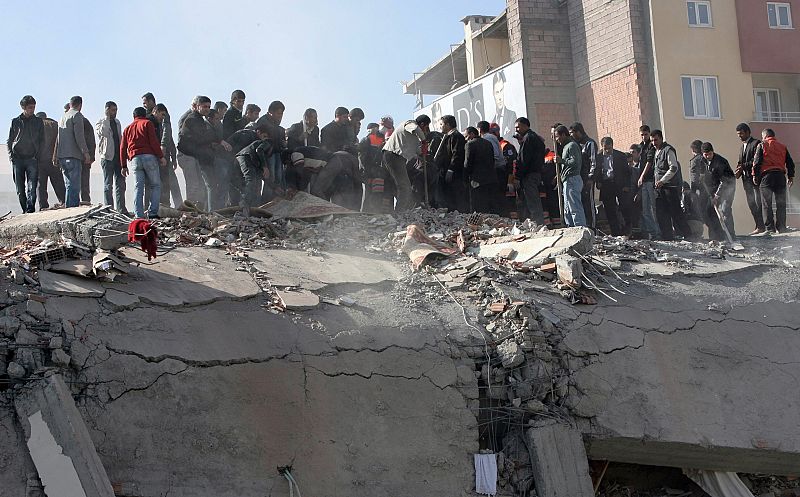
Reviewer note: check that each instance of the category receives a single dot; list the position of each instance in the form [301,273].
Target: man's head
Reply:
[251,112]
[310,118]
[696,147]
[76,103]
[448,123]
[607,144]
[373,128]
[562,134]
[498,85]
[577,132]
[553,129]
[644,132]
[41,115]
[149,101]
[658,138]
[341,115]
[708,151]
[635,151]
[483,127]
[28,105]
[203,104]
[424,123]
[275,111]
[471,133]
[160,112]
[237,99]
[768,133]
[221,108]
[139,112]
[494,129]
[387,122]
[111,110]
[213,116]
[262,131]
[356,116]
[522,126]
[743,131]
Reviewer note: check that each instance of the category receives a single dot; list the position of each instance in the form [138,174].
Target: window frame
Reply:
[698,24]
[707,101]
[767,114]
[778,5]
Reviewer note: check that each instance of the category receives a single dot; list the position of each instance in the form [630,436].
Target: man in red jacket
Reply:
[141,146]
[771,164]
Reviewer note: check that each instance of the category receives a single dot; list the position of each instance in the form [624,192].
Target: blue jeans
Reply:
[72,179]
[649,224]
[145,169]
[26,178]
[113,184]
[573,207]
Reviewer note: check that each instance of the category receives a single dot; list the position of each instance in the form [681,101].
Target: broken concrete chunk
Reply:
[56,343]
[510,353]
[9,325]
[63,284]
[569,269]
[298,300]
[121,299]
[15,370]
[35,309]
[60,358]
[346,301]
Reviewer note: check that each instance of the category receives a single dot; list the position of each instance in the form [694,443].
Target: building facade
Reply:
[693,68]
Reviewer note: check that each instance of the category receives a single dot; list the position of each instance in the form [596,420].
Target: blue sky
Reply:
[312,53]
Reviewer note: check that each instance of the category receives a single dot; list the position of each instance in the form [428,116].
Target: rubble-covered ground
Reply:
[332,345]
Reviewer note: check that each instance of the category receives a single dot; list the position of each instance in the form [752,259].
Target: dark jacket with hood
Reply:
[25,138]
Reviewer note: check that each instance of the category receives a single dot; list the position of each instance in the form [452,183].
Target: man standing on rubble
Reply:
[47,169]
[233,120]
[25,147]
[698,169]
[72,151]
[304,133]
[612,175]
[272,120]
[142,148]
[720,186]
[570,161]
[669,187]
[109,136]
[771,165]
[338,133]
[744,170]
[530,163]
[479,172]
[589,152]
[646,182]
[254,162]
[376,199]
[405,144]
[449,161]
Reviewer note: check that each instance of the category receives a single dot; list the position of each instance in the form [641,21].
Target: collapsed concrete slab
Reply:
[73,286]
[92,226]
[560,466]
[536,248]
[59,442]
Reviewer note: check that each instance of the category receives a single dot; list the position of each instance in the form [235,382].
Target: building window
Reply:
[700,97]
[768,104]
[699,13]
[780,15]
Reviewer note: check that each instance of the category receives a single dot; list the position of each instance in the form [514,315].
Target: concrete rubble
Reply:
[326,343]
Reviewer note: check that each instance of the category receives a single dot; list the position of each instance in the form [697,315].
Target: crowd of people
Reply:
[231,155]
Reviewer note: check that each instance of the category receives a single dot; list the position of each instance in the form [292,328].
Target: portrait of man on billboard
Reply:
[503,116]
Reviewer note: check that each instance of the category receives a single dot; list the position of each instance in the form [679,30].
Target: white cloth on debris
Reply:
[486,474]
[719,483]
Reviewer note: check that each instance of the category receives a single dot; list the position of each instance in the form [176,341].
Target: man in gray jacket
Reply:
[403,145]
[109,133]
[72,151]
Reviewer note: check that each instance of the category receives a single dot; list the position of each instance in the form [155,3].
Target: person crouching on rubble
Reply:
[254,160]
[340,180]
[142,148]
[719,184]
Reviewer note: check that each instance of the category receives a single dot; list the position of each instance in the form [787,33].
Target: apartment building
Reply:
[694,68]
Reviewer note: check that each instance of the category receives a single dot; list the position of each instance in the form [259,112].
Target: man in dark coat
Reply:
[612,175]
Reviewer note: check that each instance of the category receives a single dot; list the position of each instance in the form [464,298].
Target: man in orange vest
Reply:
[771,165]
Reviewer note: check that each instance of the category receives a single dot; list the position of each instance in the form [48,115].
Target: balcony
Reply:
[776,117]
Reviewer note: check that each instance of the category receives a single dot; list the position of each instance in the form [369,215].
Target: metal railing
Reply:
[777,117]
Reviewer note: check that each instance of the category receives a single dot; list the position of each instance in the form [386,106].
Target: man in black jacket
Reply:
[449,161]
[338,133]
[233,120]
[698,168]
[339,181]
[254,165]
[589,155]
[744,170]
[530,162]
[719,183]
[25,146]
[612,175]
[305,133]
[197,138]
[480,173]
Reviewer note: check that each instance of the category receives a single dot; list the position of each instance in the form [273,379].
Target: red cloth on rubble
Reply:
[142,231]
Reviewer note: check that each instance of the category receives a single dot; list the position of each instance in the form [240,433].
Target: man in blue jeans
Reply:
[109,135]
[571,161]
[72,150]
[25,145]
[142,148]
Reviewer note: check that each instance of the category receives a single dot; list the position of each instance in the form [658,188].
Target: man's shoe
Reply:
[757,231]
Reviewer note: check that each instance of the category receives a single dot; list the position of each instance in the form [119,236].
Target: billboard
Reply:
[497,97]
